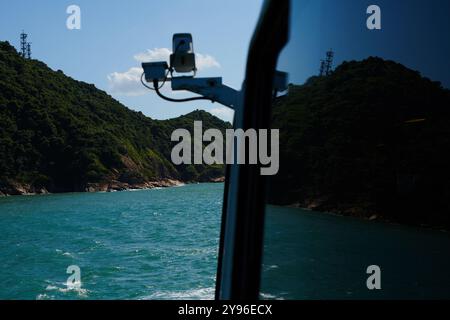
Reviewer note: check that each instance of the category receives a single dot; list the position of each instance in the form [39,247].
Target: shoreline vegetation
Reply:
[60,135]
[370,140]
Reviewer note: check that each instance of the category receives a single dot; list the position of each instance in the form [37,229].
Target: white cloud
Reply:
[129,82]
[203,61]
[223,113]
[157,54]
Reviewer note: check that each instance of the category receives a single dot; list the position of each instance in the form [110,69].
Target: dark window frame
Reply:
[242,229]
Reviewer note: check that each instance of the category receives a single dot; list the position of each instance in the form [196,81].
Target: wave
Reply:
[194,294]
[81,292]
[268,296]
[180,185]
[137,190]
[270,267]
[66,254]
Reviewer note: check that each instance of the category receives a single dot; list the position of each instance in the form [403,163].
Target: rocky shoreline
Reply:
[360,212]
[122,186]
[18,189]
[348,212]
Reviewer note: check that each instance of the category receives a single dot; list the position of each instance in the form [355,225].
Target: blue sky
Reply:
[415,33]
[114,32]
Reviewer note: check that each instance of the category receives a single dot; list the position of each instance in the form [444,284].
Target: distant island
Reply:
[61,135]
[370,140]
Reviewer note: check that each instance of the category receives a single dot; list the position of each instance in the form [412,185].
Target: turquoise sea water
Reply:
[153,244]
[163,243]
[310,255]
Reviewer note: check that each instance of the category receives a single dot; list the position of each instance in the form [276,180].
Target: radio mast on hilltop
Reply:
[29,50]
[322,68]
[326,66]
[23,44]
[25,47]
[329,62]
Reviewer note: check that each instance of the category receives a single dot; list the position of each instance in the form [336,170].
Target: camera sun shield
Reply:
[155,71]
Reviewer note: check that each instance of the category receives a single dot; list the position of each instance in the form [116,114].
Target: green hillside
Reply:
[63,135]
[371,139]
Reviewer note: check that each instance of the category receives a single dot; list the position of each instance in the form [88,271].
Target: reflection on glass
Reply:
[364,155]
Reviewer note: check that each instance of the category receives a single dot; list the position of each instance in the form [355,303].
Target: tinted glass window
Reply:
[360,205]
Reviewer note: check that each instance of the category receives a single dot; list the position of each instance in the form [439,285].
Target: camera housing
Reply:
[183,58]
[155,71]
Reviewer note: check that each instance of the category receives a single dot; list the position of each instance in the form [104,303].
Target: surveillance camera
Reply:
[183,58]
[155,71]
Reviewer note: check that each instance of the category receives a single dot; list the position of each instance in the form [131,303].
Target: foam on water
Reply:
[194,294]
[63,288]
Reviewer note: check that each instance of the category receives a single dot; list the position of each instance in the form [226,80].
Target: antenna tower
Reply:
[23,44]
[329,62]
[29,50]
[326,65]
[322,68]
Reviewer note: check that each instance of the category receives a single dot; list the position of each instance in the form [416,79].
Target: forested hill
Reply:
[372,139]
[60,135]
